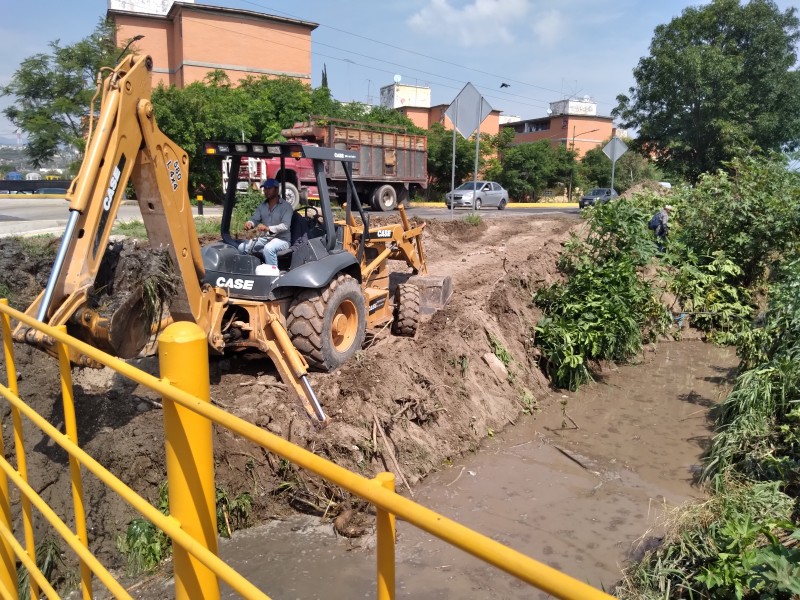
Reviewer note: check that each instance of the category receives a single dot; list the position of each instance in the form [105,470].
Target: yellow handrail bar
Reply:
[26,561]
[167,524]
[515,563]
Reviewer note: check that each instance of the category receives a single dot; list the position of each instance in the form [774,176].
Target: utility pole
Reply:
[572,171]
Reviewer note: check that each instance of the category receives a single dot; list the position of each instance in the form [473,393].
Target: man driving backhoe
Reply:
[271,219]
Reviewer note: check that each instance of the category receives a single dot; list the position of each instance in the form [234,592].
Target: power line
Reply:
[461,83]
[369,39]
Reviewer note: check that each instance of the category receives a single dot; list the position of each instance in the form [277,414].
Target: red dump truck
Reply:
[392,164]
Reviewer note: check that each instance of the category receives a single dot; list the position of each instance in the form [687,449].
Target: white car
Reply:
[489,193]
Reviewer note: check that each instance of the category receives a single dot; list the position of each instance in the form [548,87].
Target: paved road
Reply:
[26,215]
[486,213]
[29,216]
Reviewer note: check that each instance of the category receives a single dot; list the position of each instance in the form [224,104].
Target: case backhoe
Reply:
[334,281]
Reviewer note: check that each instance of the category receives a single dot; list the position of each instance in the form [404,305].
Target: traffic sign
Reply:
[615,148]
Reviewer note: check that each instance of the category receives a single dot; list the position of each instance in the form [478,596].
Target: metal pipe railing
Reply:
[388,504]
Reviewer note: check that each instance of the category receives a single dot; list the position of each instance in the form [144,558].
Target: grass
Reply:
[473,219]
[726,547]
[50,561]
[203,226]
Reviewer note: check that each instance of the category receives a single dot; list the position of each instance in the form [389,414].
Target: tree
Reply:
[440,158]
[53,92]
[631,168]
[527,169]
[719,78]
[324,82]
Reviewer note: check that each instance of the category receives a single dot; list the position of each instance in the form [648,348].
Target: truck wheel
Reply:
[327,326]
[292,195]
[406,310]
[384,198]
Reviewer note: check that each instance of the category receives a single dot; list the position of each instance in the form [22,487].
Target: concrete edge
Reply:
[511,205]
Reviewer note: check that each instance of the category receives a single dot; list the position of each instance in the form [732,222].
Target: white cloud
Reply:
[477,23]
[549,28]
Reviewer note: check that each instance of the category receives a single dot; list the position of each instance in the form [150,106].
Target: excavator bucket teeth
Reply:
[129,329]
[434,291]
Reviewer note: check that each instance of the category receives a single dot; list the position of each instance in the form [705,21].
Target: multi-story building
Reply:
[573,123]
[187,40]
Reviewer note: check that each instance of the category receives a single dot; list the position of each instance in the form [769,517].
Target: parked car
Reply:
[489,193]
[597,195]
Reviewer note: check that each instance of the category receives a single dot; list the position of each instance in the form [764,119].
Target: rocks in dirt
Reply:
[352,524]
[496,365]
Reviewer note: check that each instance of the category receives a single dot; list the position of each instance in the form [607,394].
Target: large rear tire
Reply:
[406,310]
[384,198]
[292,195]
[327,326]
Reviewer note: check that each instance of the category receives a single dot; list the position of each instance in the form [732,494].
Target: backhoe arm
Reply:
[126,145]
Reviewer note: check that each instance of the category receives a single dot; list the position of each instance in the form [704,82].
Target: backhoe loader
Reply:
[332,284]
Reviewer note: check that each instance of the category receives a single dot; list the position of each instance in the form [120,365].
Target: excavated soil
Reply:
[404,405]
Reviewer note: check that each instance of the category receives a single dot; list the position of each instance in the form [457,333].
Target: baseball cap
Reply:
[270,183]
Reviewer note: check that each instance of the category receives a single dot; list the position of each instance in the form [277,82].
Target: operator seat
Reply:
[298,232]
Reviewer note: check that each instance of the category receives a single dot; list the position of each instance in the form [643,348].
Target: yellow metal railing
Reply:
[188,418]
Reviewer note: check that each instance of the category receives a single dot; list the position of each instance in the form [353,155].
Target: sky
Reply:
[546,50]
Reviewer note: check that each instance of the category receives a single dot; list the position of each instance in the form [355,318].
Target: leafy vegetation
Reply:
[743,543]
[53,90]
[731,546]
[605,308]
[145,546]
[631,168]
[50,561]
[719,78]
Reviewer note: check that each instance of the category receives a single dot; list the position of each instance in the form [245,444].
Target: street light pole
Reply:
[572,171]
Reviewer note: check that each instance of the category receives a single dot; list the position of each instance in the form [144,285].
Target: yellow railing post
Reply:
[183,358]
[385,527]
[8,563]
[71,429]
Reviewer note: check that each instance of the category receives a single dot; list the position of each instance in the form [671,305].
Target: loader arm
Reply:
[126,145]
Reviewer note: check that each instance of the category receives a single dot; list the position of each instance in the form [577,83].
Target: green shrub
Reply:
[605,309]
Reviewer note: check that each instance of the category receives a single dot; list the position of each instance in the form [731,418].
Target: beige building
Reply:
[187,40]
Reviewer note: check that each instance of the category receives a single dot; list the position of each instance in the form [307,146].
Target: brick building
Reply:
[187,40]
[572,123]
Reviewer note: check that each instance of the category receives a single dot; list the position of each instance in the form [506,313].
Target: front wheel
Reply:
[478,204]
[328,326]
[406,310]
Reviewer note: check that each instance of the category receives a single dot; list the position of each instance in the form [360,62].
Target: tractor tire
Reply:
[327,326]
[406,310]
[384,198]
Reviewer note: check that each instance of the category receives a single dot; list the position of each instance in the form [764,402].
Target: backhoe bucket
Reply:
[434,291]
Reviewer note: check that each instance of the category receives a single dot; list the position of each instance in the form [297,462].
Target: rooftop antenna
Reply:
[397,78]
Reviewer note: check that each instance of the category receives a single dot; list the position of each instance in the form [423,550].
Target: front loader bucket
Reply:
[434,291]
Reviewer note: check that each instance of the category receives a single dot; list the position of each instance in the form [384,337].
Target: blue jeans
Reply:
[269,248]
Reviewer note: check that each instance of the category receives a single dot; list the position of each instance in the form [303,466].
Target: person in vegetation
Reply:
[272,220]
[660,225]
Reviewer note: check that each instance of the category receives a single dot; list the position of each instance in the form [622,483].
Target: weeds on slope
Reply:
[731,546]
[745,541]
[605,308]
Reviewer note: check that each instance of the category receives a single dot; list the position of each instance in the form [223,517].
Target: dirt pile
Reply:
[404,405]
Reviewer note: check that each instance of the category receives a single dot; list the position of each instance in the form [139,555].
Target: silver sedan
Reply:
[489,193]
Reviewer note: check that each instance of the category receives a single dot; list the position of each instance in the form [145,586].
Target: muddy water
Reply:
[574,488]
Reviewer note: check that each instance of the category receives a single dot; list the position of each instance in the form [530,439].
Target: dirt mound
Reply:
[404,405]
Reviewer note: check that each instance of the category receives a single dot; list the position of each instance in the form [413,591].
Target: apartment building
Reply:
[573,123]
[187,40]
